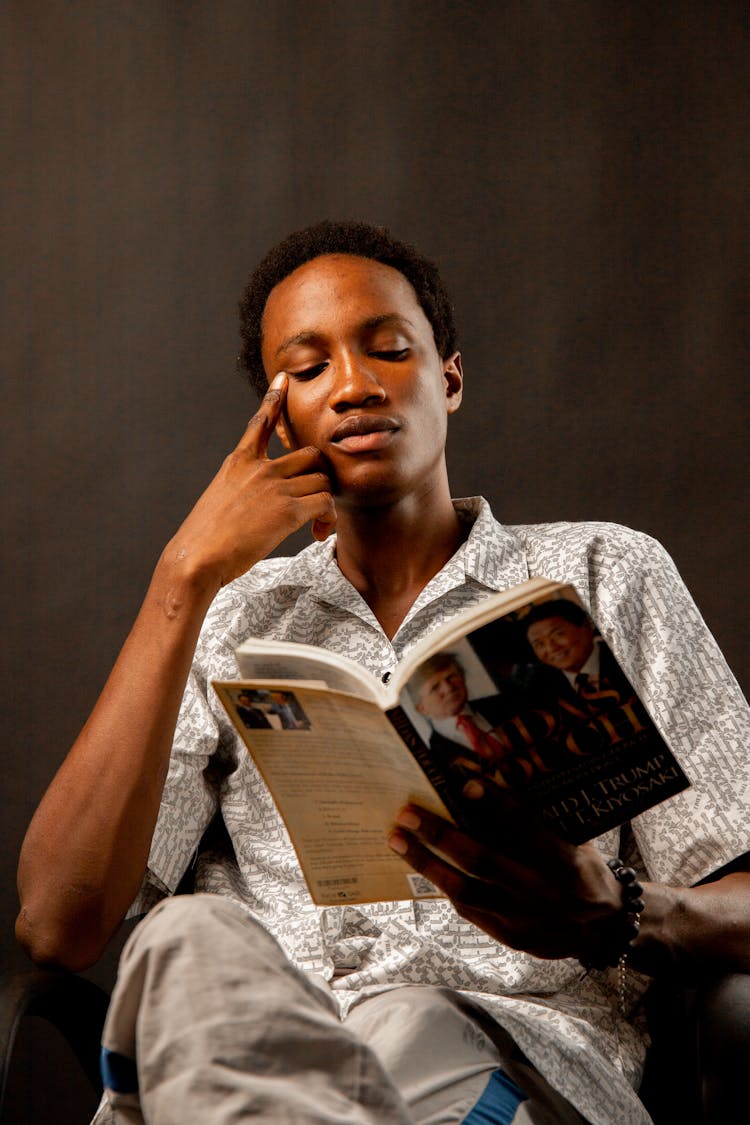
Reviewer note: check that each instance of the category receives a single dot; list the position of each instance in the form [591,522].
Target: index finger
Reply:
[262,424]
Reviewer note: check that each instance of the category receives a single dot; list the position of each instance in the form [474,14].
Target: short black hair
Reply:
[361,240]
[556,607]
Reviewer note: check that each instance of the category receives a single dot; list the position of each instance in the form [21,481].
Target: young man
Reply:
[249,1001]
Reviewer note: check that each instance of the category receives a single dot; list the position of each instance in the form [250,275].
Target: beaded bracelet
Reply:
[629,924]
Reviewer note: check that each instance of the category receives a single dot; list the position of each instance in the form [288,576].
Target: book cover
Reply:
[536,702]
[529,697]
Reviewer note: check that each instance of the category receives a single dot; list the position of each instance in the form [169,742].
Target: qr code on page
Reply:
[423,888]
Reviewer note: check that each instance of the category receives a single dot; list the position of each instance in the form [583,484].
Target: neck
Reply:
[390,553]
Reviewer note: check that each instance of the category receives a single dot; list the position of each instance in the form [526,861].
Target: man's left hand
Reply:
[515,878]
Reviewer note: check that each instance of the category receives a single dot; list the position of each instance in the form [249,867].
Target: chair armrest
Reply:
[697,1065]
[722,1012]
[75,1006]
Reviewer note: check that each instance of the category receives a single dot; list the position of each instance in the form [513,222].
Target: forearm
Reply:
[692,930]
[86,849]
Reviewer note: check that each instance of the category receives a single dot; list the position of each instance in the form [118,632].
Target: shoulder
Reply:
[552,549]
[257,603]
[594,538]
[618,571]
[592,553]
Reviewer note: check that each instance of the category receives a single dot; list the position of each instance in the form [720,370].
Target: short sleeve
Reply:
[189,799]
[654,628]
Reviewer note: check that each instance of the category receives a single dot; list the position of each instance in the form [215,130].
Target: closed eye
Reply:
[392,356]
[309,372]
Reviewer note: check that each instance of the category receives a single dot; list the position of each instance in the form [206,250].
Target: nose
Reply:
[354,383]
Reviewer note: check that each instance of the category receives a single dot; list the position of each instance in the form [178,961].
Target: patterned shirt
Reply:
[567,1023]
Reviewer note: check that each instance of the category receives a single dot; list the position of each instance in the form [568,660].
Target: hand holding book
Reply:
[514,877]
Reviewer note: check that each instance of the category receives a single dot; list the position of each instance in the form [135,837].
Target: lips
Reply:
[364,434]
[358,425]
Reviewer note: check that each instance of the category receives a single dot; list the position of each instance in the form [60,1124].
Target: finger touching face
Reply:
[266,418]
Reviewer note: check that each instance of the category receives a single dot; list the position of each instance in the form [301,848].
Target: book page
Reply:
[338,773]
[282,660]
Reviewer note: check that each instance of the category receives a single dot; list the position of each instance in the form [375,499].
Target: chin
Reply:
[368,490]
[378,484]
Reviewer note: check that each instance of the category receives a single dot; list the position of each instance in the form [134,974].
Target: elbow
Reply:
[55,947]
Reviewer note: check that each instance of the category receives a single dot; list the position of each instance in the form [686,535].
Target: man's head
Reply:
[439,687]
[365,383]
[359,240]
[560,634]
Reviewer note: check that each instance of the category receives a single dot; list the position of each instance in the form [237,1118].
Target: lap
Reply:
[201,971]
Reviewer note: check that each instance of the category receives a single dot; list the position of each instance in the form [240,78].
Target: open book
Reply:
[520,689]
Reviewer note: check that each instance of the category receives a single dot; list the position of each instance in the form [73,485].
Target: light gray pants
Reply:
[225,1028]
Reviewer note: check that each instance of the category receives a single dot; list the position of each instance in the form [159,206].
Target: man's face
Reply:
[443,694]
[366,383]
[560,643]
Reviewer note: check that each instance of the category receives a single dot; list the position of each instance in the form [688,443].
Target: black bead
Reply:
[628,925]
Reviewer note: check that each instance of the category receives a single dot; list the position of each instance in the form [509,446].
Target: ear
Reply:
[454,381]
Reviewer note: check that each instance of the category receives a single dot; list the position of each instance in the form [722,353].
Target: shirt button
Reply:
[385,677]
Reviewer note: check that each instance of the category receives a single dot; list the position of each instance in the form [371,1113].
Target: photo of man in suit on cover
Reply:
[575,665]
[461,729]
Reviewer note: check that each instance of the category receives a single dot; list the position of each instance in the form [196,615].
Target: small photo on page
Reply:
[269,709]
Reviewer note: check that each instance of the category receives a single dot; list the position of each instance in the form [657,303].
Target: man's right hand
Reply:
[254,502]
[87,846]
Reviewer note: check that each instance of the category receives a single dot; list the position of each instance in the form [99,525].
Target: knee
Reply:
[188,920]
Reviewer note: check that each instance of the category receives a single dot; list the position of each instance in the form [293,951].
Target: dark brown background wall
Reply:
[579,169]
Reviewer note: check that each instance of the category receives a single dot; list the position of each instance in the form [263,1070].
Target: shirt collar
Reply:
[491,555]
[315,569]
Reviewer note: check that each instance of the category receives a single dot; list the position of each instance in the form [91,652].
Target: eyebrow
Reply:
[368,325]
